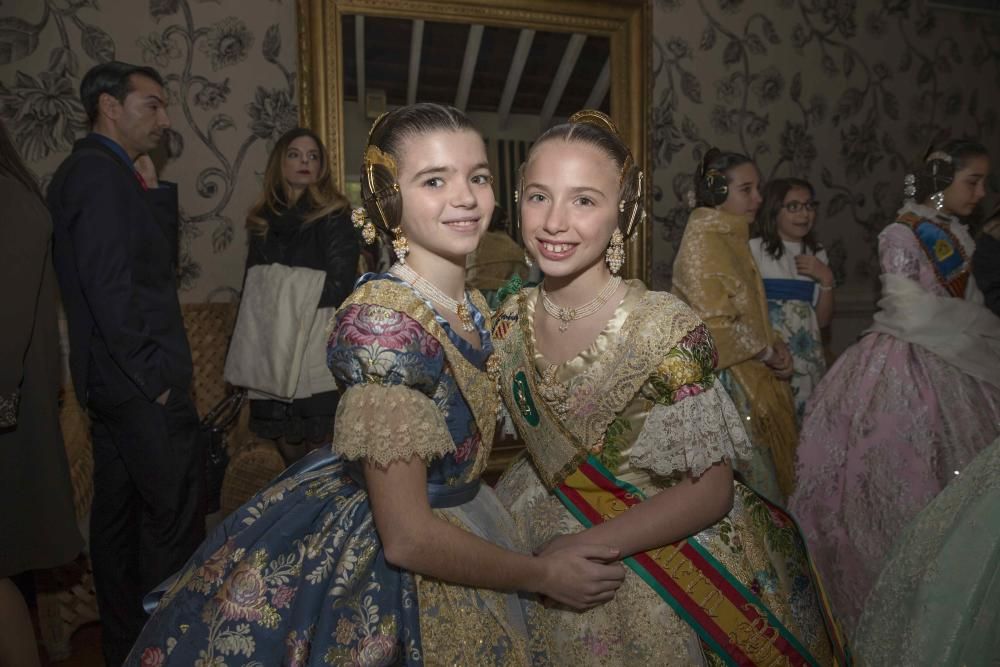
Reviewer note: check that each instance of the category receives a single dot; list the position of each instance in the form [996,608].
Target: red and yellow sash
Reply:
[729,618]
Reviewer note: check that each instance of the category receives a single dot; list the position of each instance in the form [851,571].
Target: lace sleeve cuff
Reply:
[691,435]
[387,423]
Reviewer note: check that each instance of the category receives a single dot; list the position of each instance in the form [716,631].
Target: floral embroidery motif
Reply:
[371,324]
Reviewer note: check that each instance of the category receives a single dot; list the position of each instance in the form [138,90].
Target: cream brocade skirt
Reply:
[461,625]
[636,628]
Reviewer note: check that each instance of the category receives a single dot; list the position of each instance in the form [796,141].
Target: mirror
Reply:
[515,67]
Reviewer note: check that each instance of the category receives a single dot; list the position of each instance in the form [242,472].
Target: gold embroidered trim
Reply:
[715,273]
[478,389]
[656,325]
[386,423]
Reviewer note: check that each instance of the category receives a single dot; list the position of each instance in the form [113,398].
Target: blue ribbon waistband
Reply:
[788,289]
[440,496]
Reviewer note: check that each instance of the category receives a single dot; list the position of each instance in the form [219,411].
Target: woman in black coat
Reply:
[301,220]
[38,522]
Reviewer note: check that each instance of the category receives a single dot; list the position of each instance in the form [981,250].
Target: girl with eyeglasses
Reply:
[797,278]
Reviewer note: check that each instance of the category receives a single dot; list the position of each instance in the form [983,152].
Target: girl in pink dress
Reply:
[915,399]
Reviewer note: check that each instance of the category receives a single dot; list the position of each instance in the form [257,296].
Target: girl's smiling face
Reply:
[569,206]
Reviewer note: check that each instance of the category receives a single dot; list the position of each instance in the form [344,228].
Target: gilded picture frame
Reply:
[626,23]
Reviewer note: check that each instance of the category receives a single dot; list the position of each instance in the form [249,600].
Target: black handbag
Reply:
[213,429]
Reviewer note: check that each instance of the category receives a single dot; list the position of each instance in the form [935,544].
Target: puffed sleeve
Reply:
[899,252]
[693,423]
[389,367]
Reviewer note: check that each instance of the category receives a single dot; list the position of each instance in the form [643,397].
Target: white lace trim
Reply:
[691,435]
[386,423]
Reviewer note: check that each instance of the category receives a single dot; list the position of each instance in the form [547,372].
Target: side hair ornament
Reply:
[632,213]
[373,157]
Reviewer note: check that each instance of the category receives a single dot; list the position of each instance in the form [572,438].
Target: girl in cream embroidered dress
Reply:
[681,422]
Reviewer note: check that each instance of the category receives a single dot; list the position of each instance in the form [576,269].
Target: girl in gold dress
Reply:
[632,440]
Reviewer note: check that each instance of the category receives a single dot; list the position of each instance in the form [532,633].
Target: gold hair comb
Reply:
[601,120]
[596,118]
[376,156]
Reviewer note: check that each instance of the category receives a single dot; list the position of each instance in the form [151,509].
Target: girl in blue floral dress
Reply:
[387,550]
[798,281]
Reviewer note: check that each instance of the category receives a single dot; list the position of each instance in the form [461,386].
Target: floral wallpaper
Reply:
[844,93]
[229,67]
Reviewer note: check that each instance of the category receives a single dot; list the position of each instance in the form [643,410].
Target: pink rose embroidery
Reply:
[375,651]
[365,324]
[467,448]
[687,390]
[153,656]
[242,595]
[283,596]
[214,568]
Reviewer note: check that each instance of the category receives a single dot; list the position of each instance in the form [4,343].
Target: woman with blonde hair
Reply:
[301,264]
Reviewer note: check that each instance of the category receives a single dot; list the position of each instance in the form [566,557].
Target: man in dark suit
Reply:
[115,249]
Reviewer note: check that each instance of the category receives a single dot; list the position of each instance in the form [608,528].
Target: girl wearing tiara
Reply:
[907,407]
[798,281]
[387,550]
[716,275]
[632,441]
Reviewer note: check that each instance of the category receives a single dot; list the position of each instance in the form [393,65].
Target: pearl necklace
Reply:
[567,315]
[427,288]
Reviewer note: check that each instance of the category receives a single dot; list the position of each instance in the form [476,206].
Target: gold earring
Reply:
[528,260]
[360,219]
[399,244]
[615,254]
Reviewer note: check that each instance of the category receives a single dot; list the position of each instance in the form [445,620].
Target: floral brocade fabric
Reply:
[298,576]
[679,423]
[794,320]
